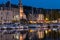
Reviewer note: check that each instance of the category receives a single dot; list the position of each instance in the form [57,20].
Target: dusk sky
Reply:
[49,4]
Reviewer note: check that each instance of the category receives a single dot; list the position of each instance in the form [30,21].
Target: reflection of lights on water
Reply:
[46,31]
[31,31]
[21,38]
[54,29]
[17,37]
[49,30]
[41,34]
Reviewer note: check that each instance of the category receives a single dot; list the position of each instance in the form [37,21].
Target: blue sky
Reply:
[49,4]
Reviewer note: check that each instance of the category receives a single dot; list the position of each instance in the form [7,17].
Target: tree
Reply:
[54,15]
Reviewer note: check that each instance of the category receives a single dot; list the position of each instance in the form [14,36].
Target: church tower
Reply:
[21,13]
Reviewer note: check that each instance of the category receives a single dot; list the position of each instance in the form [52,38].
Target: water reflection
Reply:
[31,35]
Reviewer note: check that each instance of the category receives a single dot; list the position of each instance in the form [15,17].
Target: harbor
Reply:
[33,32]
[22,22]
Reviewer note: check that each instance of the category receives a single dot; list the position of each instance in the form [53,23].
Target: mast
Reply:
[51,15]
[32,13]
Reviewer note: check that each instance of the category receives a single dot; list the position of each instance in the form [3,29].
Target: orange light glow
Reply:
[21,15]
[21,37]
[49,30]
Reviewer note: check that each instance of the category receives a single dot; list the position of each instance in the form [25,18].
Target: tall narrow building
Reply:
[21,13]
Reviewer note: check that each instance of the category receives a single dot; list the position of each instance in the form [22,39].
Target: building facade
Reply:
[8,14]
[40,18]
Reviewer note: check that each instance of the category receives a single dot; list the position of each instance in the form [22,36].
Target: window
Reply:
[1,13]
[7,13]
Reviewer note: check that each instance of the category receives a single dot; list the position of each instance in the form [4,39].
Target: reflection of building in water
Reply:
[40,34]
[7,36]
